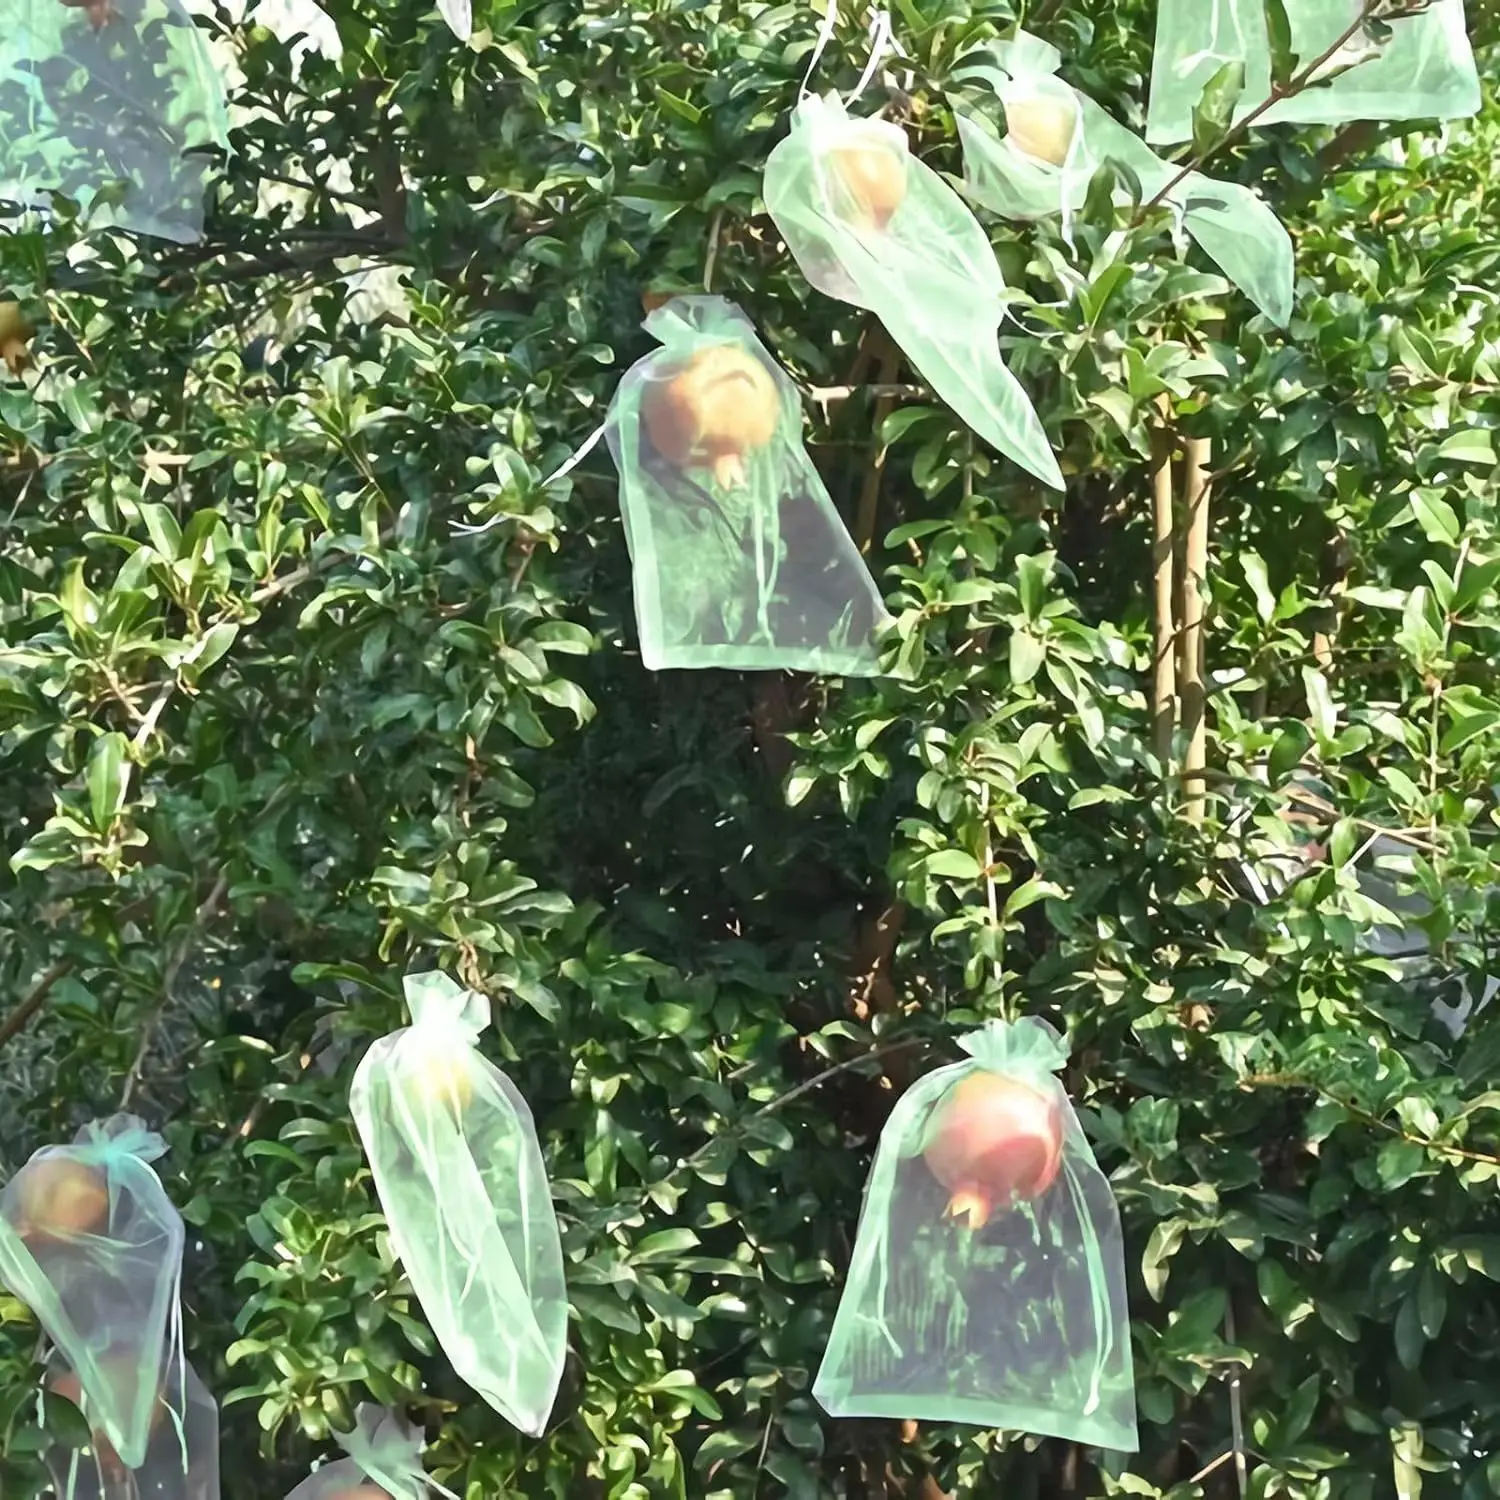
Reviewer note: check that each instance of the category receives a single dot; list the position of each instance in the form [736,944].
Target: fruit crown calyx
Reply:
[1029,1048]
[441,1007]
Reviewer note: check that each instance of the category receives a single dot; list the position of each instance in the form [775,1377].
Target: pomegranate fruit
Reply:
[15,334]
[995,1141]
[59,1198]
[716,407]
[441,1073]
[873,179]
[1042,125]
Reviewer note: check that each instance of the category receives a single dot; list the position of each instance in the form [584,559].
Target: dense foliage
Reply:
[274,729]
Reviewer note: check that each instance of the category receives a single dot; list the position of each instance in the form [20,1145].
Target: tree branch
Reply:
[16,1021]
[175,962]
[1279,92]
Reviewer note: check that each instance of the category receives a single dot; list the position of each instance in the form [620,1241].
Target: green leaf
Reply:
[1471,726]
[1284,61]
[1432,1301]
[1406,1456]
[1216,105]
[108,779]
[1027,653]
[683,109]
[1156,1262]
[1410,1340]
[1436,517]
[722,1445]
[665,1244]
[1256,576]
[953,864]
[165,533]
[1474,446]
[1320,704]
[1291,745]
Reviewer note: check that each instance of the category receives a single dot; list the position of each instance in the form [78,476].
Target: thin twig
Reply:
[826,395]
[1236,1404]
[17,1019]
[1296,1081]
[154,713]
[781,1101]
[308,571]
[868,515]
[263,1102]
[714,226]
[319,187]
[175,962]
[1279,92]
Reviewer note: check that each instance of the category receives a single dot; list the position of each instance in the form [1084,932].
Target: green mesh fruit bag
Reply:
[871,225]
[1057,138]
[181,1461]
[738,556]
[384,1463]
[111,98]
[1424,70]
[460,1176]
[987,1284]
[91,1244]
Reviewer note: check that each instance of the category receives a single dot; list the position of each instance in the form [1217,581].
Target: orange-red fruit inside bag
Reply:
[714,409]
[58,1197]
[996,1141]
[874,177]
[1042,126]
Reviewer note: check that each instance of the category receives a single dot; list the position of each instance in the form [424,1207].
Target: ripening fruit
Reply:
[1042,125]
[440,1073]
[873,178]
[59,1198]
[718,406]
[358,1492]
[997,1141]
[15,334]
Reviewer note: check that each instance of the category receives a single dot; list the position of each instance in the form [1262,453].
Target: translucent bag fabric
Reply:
[182,1455]
[91,1243]
[384,1463]
[459,1172]
[1425,71]
[1234,228]
[871,225]
[109,94]
[739,558]
[988,1283]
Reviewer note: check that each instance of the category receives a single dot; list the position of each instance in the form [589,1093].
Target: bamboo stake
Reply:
[1164,687]
[1194,591]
